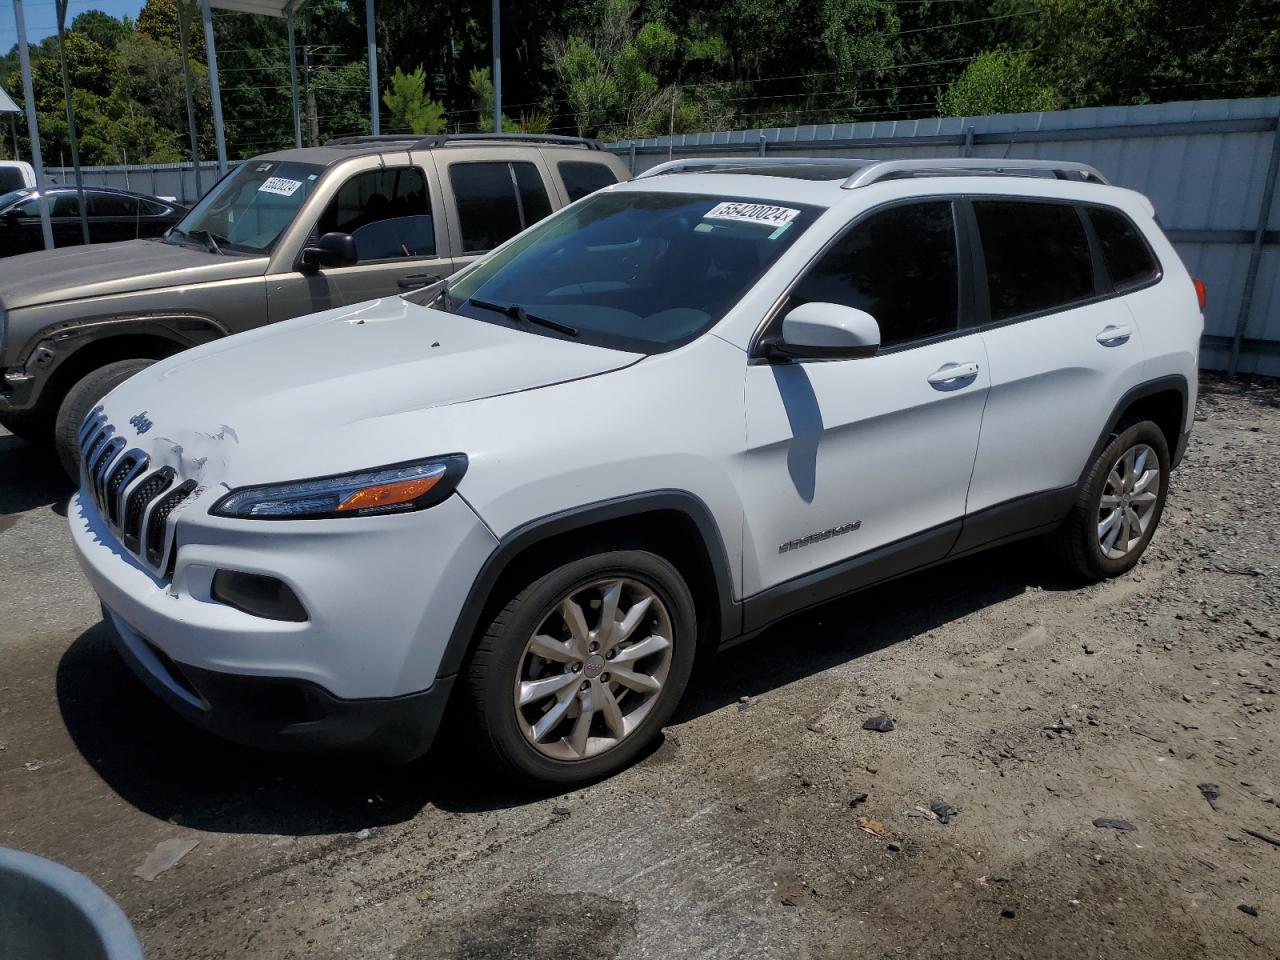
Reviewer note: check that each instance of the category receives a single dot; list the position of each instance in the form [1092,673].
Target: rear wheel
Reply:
[582,667]
[80,399]
[1119,505]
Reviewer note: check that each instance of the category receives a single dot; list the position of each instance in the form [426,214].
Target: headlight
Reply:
[395,489]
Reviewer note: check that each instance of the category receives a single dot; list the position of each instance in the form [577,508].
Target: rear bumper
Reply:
[278,713]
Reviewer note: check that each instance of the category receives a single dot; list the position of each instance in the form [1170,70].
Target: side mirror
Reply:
[825,331]
[331,250]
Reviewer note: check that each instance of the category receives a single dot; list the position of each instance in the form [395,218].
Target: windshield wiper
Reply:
[210,243]
[520,314]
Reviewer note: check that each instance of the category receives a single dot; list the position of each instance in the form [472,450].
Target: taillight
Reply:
[1202,293]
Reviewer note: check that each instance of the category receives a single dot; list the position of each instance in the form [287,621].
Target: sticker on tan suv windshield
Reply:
[281,186]
[761,213]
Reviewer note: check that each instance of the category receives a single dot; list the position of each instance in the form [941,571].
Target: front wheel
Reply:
[80,399]
[1119,505]
[582,668]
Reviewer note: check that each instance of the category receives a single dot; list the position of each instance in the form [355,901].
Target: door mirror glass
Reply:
[331,250]
[825,331]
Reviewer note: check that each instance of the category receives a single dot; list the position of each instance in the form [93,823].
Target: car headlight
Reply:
[395,489]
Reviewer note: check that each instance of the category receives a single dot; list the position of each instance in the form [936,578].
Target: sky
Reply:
[42,20]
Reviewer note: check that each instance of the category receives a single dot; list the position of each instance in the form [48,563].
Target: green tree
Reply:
[996,82]
[412,106]
[102,28]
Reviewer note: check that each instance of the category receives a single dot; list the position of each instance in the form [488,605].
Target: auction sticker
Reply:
[281,186]
[762,213]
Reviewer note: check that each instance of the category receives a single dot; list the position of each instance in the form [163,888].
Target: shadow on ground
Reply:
[30,478]
[160,764]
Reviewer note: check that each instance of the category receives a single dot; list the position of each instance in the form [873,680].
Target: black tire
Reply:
[492,672]
[1076,541]
[35,428]
[80,399]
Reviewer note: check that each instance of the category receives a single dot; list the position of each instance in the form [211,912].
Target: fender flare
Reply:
[533,532]
[1175,382]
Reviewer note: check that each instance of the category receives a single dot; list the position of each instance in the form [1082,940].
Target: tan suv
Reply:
[284,234]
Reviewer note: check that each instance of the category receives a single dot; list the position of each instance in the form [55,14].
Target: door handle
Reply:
[950,374]
[416,281]
[1113,336]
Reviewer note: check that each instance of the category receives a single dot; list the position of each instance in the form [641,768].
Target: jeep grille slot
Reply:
[158,522]
[136,507]
[131,465]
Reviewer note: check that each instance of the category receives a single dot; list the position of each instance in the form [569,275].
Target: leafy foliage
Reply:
[411,105]
[996,82]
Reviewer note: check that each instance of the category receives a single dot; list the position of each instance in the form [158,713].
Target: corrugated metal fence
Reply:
[1210,168]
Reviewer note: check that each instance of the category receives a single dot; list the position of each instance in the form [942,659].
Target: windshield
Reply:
[14,196]
[644,272]
[247,210]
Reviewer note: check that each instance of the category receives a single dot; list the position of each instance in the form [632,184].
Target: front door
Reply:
[867,459]
[390,214]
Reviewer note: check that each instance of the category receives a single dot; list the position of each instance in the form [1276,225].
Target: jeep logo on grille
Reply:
[140,422]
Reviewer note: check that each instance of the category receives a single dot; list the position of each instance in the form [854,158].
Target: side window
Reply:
[1128,258]
[496,200]
[581,177]
[899,265]
[387,213]
[1037,256]
[64,205]
[111,205]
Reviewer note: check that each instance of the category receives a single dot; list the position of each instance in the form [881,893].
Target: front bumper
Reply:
[282,714]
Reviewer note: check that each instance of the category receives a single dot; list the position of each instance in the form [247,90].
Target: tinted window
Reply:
[496,201]
[387,213]
[1129,260]
[11,178]
[631,270]
[899,265]
[1037,256]
[111,205]
[66,205]
[581,178]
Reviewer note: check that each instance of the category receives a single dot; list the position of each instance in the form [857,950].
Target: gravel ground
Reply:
[1031,707]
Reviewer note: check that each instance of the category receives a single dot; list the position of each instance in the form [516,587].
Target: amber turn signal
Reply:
[388,494]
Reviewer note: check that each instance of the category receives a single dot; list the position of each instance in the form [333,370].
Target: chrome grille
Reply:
[135,501]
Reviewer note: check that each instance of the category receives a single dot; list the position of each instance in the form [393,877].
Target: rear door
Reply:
[1062,348]
[492,197]
[392,214]
[112,216]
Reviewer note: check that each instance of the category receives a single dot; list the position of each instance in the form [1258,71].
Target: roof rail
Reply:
[711,163]
[431,142]
[959,166]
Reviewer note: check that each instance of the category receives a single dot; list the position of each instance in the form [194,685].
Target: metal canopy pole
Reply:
[61,9]
[33,125]
[373,68]
[191,107]
[497,69]
[214,89]
[293,79]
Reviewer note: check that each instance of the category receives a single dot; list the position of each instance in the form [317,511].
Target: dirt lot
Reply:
[1032,707]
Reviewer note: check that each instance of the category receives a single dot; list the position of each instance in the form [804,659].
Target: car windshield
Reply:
[247,210]
[14,196]
[645,272]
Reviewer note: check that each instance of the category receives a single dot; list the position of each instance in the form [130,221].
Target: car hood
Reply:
[103,269]
[333,391]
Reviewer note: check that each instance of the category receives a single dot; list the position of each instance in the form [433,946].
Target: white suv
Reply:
[658,421]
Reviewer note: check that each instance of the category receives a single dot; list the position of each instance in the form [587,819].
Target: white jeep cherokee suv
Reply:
[658,421]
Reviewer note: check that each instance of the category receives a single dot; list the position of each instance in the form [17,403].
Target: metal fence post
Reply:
[1255,254]
[968,141]
[764,144]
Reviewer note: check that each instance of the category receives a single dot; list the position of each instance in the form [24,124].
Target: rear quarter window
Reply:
[1129,259]
[582,177]
[1037,256]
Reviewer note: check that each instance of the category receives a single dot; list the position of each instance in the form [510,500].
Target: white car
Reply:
[658,421]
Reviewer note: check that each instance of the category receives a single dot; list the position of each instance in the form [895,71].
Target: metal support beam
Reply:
[60,7]
[764,143]
[293,81]
[33,125]
[189,87]
[373,68]
[1255,255]
[215,91]
[497,68]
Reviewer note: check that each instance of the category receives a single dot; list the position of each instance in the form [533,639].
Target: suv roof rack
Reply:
[873,171]
[435,140]
[878,170]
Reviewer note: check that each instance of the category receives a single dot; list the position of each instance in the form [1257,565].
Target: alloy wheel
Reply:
[1128,501]
[593,669]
